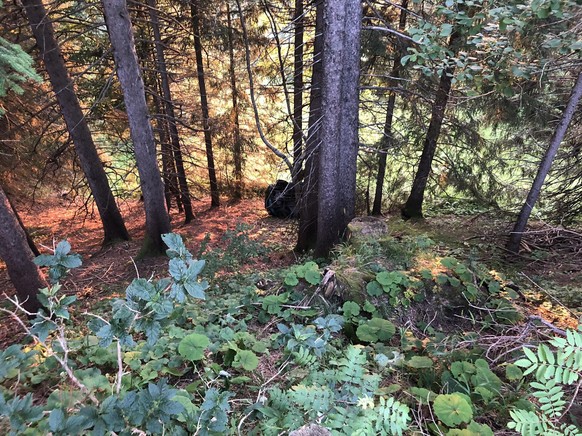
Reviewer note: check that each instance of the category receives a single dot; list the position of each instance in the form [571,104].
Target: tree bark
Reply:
[413,206]
[339,129]
[388,138]
[170,113]
[545,166]
[169,172]
[214,194]
[14,250]
[42,29]
[130,78]
[297,96]
[29,239]
[237,146]
[307,232]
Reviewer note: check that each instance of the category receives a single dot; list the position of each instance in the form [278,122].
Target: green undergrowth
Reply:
[394,336]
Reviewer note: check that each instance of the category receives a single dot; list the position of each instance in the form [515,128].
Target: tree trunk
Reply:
[14,250]
[307,232]
[169,172]
[170,113]
[214,194]
[129,74]
[413,206]
[237,146]
[545,165]
[297,94]
[29,239]
[388,138]
[113,225]
[339,128]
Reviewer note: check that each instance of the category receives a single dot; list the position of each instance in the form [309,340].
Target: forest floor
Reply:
[550,263]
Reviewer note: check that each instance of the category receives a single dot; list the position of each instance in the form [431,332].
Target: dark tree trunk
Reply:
[214,194]
[170,113]
[298,94]
[413,206]
[545,165]
[339,128]
[169,172]
[388,138]
[307,233]
[42,29]
[16,254]
[237,146]
[128,71]
[29,239]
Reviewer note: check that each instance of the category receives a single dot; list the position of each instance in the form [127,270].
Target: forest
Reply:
[303,217]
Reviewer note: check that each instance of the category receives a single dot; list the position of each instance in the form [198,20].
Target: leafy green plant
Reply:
[341,396]
[552,370]
[312,337]
[309,272]
[139,333]
[239,249]
[192,346]
[60,262]
[396,284]
[376,329]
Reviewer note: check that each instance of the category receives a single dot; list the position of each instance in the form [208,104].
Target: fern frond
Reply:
[525,422]
[392,417]
[316,399]
[303,357]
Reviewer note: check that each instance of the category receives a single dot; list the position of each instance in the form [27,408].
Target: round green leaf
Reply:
[351,308]
[192,346]
[452,409]
[312,277]
[385,329]
[385,278]
[291,279]
[247,359]
[512,372]
[366,333]
[374,289]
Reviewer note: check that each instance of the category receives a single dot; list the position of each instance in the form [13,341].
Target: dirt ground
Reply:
[107,271]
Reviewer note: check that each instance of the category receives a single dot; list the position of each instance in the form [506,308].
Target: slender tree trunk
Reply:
[130,78]
[413,206]
[16,253]
[388,138]
[307,233]
[339,128]
[545,166]
[169,172]
[113,225]
[214,194]
[237,146]
[170,113]
[298,96]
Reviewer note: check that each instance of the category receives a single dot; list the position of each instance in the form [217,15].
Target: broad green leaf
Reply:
[312,277]
[446,29]
[419,362]
[385,329]
[192,346]
[351,309]
[452,409]
[246,359]
[374,289]
[291,279]
[512,372]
